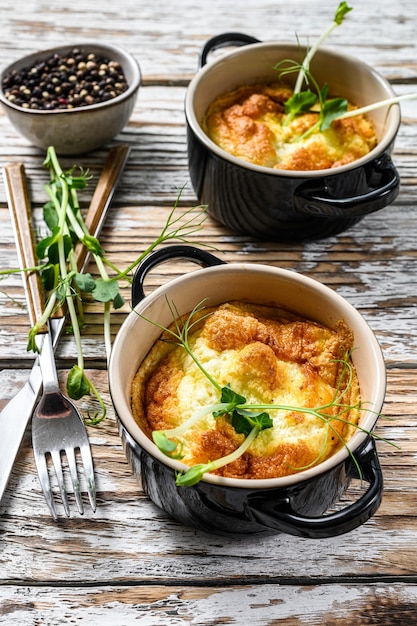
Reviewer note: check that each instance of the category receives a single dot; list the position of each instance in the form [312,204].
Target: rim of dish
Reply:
[195,125]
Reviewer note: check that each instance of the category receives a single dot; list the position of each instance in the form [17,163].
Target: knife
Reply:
[16,414]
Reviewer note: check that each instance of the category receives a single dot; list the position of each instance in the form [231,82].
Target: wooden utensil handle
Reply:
[19,205]
[20,209]
[102,196]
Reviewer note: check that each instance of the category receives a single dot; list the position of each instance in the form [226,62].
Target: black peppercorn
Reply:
[65,82]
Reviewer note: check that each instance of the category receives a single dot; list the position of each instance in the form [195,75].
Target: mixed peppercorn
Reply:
[77,79]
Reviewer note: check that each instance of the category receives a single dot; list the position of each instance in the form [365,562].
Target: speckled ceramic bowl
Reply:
[295,504]
[81,129]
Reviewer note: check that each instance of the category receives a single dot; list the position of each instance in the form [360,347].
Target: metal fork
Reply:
[57,427]
[15,415]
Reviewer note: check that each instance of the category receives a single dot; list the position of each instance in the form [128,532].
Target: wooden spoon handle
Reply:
[19,205]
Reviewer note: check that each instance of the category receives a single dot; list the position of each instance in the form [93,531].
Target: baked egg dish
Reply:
[299,371]
[250,123]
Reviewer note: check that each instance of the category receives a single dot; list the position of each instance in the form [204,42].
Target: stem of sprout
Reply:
[377,105]
[195,473]
[340,14]
[107,330]
[229,458]
[305,67]
[62,193]
[176,432]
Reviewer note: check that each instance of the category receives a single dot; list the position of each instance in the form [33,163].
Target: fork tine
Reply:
[89,473]
[56,459]
[72,464]
[43,474]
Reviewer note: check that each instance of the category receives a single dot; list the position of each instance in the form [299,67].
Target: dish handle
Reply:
[202,257]
[281,516]
[224,40]
[377,185]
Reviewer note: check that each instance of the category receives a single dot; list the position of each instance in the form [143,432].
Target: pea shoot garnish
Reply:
[246,418]
[316,101]
[65,285]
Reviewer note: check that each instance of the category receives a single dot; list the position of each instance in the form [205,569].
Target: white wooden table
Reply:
[129,563]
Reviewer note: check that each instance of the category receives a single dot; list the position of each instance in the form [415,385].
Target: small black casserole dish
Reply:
[295,504]
[288,205]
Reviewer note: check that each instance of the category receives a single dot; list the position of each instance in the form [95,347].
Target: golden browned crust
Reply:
[250,123]
[270,357]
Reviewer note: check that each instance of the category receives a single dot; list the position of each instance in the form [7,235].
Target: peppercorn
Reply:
[65,82]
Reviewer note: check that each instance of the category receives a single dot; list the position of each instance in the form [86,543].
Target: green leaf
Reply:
[53,253]
[93,245]
[48,277]
[50,215]
[341,12]
[52,250]
[300,103]
[323,94]
[243,421]
[43,245]
[67,245]
[165,445]
[78,384]
[85,282]
[231,399]
[230,396]
[332,110]
[76,182]
[105,290]
[118,301]
[193,475]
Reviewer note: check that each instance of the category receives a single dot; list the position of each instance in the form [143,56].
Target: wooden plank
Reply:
[166,42]
[381,604]
[129,562]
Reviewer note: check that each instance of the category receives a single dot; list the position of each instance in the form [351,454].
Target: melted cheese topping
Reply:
[249,122]
[266,355]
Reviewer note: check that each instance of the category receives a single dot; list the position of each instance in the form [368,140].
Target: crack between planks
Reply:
[346,579]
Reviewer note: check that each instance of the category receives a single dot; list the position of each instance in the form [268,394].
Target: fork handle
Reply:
[19,204]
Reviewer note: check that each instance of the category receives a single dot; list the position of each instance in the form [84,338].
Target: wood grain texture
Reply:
[129,563]
[269,604]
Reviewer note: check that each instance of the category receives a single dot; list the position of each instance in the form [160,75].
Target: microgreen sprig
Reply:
[327,110]
[230,402]
[248,419]
[316,101]
[304,101]
[180,333]
[65,285]
[304,70]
